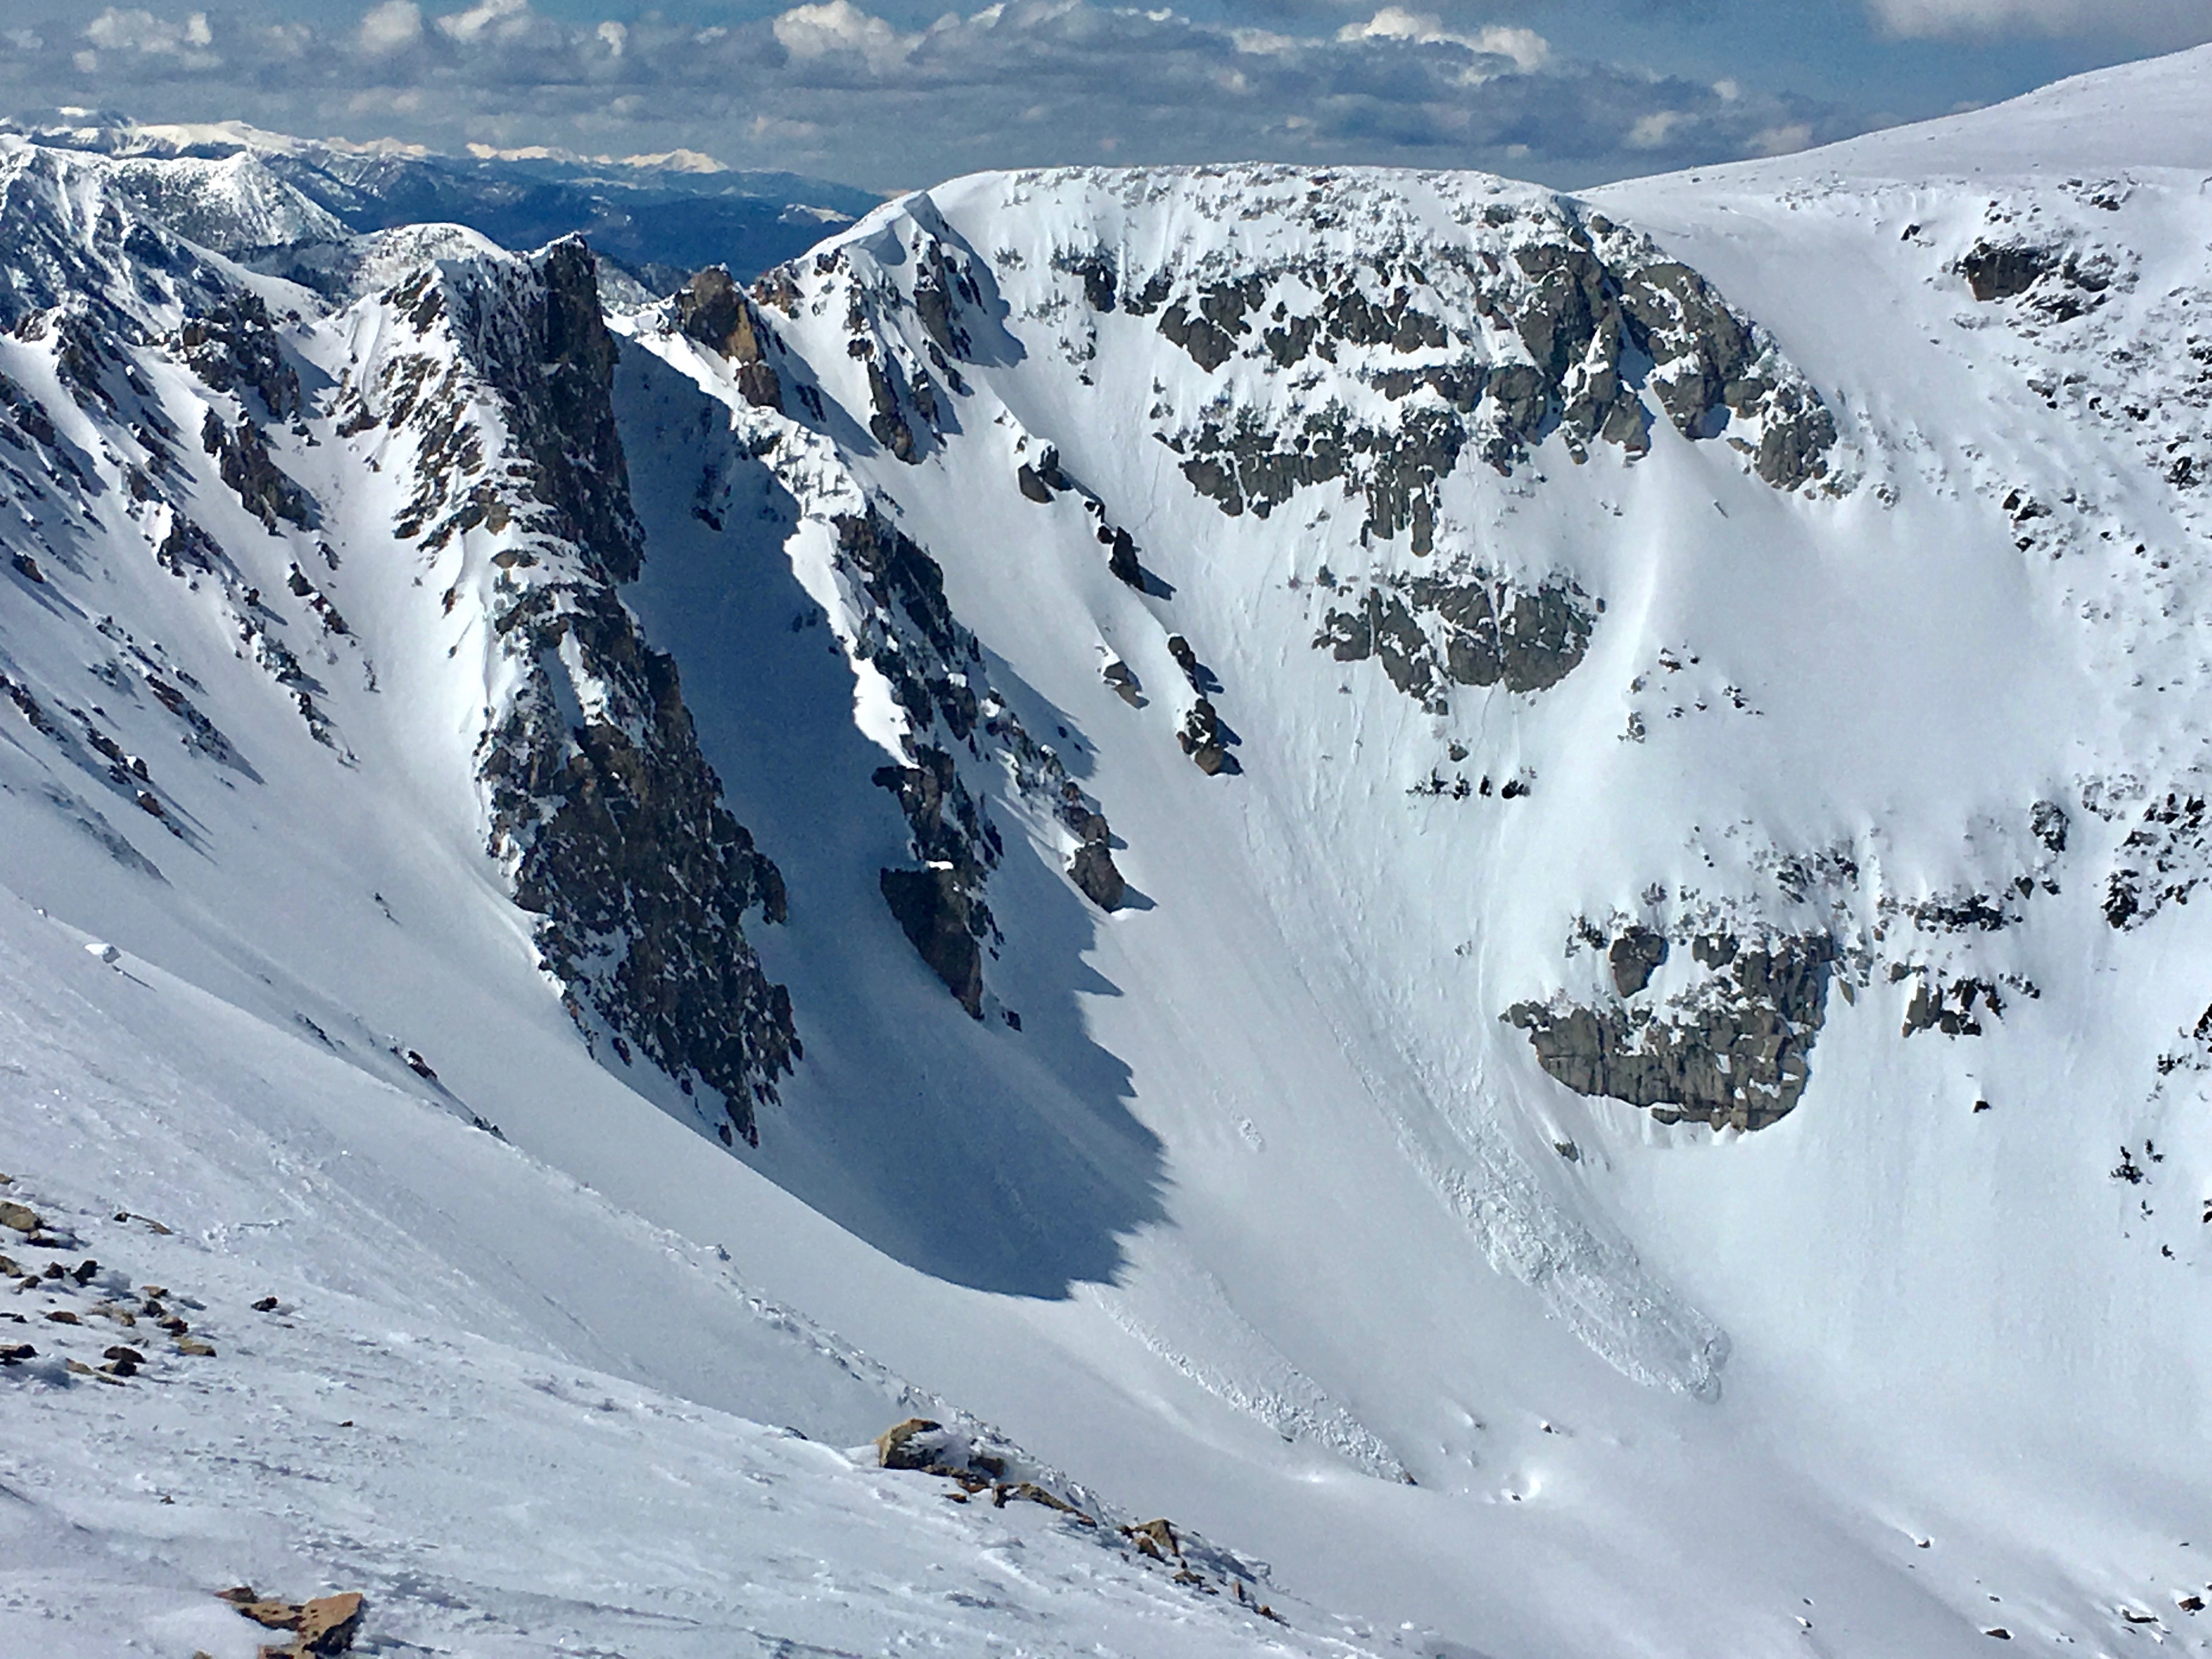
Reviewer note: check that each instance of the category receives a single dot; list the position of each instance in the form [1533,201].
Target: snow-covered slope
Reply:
[1489,893]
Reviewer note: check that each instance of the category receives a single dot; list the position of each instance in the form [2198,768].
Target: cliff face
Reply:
[601,808]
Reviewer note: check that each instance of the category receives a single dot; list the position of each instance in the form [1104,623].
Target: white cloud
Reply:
[1784,140]
[2164,21]
[21,39]
[1525,49]
[772,129]
[471,24]
[1650,131]
[393,26]
[139,31]
[839,29]
[615,35]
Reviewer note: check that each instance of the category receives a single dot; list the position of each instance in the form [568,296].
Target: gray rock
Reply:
[1733,1050]
[932,909]
[1092,871]
[1634,956]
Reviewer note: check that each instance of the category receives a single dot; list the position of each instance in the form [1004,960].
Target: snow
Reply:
[1263,1207]
[417,1417]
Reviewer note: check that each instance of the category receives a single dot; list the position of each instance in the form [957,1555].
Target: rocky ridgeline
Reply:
[75,243]
[599,803]
[1370,349]
[150,301]
[1367,332]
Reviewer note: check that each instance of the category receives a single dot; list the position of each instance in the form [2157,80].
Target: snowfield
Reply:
[1488,896]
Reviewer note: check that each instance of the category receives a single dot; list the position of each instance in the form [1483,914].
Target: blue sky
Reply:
[894,92]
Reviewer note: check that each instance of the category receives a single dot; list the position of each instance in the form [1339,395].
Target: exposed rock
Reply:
[909,1445]
[1156,1539]
[1998,272]
[643,879]
[242,458]
[1027,481]
[326,1625]
[329,1623]
[1121,558]
[1093,870]
[2166,857]
[1187,660]
[2048,822]
[21,1217]
[900,574]
[1030,1492]
[613,829]
[939,922]
[1732,1050]
[1635,956]
[1949,1006]
[711,309]
[885,423]
[1431,632]
[233,346]
[1202,739]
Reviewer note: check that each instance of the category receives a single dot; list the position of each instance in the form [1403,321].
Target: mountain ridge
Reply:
[1497,902]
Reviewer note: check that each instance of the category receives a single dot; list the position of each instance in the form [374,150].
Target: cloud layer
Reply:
[2149,22]
[829,87]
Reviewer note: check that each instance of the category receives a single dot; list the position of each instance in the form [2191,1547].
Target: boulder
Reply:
[326,1625]
[934,912]
[1093,870]
[21,1217]
[329,1623]
[912,1444]
[1634,957]
[1121,558]
[1156,1539]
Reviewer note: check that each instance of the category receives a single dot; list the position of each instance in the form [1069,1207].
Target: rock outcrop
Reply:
[1730,1052]
[599,803]
[1431,632]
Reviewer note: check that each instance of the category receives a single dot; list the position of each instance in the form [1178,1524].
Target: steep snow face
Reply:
[1490,892]
[1712,797]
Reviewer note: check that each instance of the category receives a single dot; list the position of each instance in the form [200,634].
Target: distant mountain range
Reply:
[657,218]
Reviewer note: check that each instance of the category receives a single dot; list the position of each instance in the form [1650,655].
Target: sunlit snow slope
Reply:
[1489,893]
